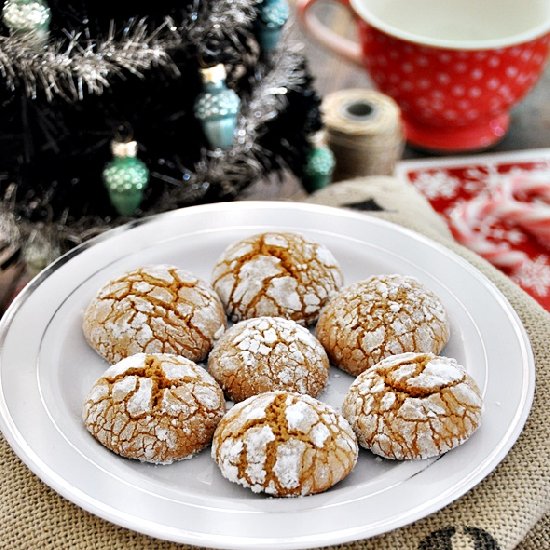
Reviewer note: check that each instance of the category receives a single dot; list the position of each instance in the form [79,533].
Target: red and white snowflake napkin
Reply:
[497,205]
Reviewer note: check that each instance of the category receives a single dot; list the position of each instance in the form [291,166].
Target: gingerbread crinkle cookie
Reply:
[154,407]
[276,274]
[284,444]
[381,316]
[413,405]
[267,354]
[154,309]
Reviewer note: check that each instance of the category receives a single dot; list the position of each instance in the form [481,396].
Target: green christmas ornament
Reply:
[30,17]
[126,177]
[217,107]
[272,19]
[319,164]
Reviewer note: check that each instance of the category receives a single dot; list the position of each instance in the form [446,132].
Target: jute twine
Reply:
[364,131]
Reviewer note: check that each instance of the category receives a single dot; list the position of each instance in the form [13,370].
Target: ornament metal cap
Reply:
[217,73]
[123,149]
[319,139]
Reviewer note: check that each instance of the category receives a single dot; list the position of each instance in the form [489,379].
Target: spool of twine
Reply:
[364,132]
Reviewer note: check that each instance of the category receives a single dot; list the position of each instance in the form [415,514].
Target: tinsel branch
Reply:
[78,64]
[71,67]
[231,169]
[223,21]
[226,172]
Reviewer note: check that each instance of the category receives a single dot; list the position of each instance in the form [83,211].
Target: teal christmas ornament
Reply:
[126,177]
[319,164]
[217,108]
[31,17]
[272,18]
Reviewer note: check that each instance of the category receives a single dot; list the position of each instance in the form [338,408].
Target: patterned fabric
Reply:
[510,228]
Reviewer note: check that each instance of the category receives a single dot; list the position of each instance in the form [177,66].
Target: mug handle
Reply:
[348,49]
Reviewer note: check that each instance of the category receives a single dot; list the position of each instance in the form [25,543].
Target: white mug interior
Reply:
[460,24]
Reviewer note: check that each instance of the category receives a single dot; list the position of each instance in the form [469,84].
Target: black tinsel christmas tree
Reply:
[90,72]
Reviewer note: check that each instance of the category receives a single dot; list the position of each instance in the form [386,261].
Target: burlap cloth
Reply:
[508,509]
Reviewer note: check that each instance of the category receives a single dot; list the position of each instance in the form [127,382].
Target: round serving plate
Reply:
[46,370]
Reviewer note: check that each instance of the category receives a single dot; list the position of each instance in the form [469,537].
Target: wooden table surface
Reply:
[530,120]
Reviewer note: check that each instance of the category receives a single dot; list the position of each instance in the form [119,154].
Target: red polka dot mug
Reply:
[455,67]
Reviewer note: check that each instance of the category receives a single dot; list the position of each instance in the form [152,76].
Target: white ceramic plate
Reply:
[46,369]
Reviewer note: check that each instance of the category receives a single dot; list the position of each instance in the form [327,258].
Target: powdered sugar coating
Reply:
[268,354]
[295,446]
[381,316]
[155,408]
[413,405]
[276,274]
[154,309]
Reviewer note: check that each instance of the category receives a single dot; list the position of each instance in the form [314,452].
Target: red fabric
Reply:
[448,183]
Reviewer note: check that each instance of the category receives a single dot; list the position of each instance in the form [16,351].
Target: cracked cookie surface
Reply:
[154,309]
[276,274]
[413,405]
[268,354]
[381,316]
[284,444]
[154,407]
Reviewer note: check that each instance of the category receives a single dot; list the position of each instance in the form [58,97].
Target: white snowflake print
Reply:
[487,176]
[435,185]
[514,236]
[534,274]
[448,212]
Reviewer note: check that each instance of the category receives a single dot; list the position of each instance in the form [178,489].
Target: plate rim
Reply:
[91,504]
